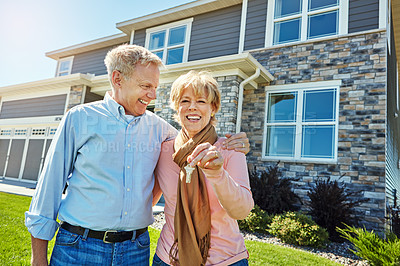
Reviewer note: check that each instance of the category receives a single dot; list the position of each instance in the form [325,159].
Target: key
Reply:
[189,171]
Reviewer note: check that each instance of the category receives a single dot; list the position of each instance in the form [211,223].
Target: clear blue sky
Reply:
[29,29]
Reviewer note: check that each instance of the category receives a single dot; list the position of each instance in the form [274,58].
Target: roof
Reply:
[89,46]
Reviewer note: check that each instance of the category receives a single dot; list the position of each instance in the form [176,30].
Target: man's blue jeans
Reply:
[72,249]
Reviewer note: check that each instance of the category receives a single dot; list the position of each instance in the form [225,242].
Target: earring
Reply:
[212,115]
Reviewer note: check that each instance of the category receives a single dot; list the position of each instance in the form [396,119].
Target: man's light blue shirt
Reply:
[107,158]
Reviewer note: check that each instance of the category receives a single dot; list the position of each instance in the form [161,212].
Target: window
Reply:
[170,42]
[300,20]
[302,123]
[64,66]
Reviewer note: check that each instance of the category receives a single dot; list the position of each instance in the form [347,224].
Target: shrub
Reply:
[332,205]
[272,193]
[257,221]
[394,213]
[298,229]
[371,247]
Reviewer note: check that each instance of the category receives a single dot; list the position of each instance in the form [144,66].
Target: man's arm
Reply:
[39,252]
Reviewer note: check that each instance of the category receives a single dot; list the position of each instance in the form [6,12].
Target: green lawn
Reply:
[15,240]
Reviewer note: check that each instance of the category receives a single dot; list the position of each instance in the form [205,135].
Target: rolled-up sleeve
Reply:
[232,186]
[41,219]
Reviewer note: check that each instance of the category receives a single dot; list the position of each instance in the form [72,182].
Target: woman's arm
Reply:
[156,191]
[232,187]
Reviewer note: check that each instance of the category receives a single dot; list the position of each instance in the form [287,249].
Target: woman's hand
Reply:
[207,157]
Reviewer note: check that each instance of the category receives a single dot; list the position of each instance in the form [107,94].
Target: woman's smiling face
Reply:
[194,111]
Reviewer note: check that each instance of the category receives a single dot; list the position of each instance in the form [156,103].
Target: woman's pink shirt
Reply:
[230,199]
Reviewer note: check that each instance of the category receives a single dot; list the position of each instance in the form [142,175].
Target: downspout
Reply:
[240,100]
[132,37]
[242,26]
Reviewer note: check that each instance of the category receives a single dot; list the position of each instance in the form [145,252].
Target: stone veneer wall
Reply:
[359,60]
[229,88]
[76,96]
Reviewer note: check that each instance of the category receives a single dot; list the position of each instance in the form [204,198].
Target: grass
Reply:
[15,248]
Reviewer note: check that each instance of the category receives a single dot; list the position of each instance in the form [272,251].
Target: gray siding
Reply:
[140,38]
[393,129]
[90,62]
[215,34]
[255,24]
[42,106]
[363,15]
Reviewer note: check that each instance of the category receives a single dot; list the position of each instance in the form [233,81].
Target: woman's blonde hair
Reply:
[203,84]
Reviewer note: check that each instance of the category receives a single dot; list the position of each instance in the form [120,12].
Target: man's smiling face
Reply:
[136,93]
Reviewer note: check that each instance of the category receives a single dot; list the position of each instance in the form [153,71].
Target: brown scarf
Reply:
[192,222]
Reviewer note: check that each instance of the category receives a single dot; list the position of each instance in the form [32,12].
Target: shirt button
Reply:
[129,145]
[126,213]
[128,189]
[128,167]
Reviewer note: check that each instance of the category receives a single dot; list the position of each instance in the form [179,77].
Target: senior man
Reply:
[106,151]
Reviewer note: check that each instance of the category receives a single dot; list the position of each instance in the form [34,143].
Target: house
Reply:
[313,83]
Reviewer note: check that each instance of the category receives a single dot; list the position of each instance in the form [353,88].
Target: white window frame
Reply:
[167,27]
[300,88]
[70,59]
[343,8]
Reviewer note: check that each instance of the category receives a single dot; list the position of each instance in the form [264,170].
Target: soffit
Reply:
[46,84]
[175,13]
[244,62]
[243,65]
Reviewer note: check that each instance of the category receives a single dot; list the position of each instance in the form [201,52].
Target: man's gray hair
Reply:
[124,58]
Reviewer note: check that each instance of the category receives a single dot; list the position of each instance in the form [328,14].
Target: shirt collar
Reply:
[118,110]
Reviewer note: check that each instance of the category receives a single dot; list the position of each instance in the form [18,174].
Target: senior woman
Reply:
[202,202]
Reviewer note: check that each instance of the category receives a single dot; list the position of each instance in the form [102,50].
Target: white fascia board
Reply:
[88,46]
[313,84]
[37,121]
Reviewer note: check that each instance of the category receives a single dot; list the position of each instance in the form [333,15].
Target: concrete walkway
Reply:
[27,189]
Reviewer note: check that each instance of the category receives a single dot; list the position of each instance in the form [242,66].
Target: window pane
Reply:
[63,74]
[175,56]
[280,141]
[64,66]
[318,142]
[282,107]
[177,36]
[157,40]
[319,106]
[318,4]
[287,31]
[287,7]
[159,54]
[322,24]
